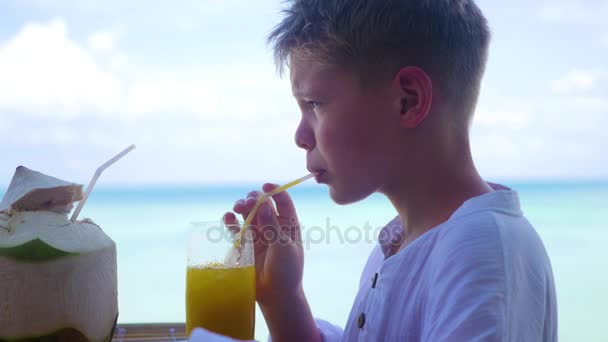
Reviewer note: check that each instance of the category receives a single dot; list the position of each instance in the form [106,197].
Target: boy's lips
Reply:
[320,176]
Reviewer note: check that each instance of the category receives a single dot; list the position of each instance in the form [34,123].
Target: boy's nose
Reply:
[305,137]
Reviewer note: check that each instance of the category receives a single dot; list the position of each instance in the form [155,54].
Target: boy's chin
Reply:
[347,196]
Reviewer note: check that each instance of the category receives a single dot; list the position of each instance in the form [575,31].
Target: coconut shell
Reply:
[32,191]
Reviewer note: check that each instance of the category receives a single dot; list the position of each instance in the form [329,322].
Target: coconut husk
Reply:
[33,191]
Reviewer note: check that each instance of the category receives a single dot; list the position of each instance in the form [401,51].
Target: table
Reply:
[153,332]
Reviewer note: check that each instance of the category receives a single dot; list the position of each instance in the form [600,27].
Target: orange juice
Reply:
[221,300]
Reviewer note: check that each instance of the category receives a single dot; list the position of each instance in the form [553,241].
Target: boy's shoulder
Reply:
[488,236]
[489,219]
[488,262]
[469,240]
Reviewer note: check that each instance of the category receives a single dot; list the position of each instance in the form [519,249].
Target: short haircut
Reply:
[448,39]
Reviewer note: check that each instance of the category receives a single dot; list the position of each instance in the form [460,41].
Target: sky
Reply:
[192,83]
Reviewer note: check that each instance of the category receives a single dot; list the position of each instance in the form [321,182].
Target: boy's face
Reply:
[350,134]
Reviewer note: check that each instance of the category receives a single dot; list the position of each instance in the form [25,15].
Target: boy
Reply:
[387,90]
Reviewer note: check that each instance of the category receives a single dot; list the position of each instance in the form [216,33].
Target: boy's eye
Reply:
[313,104]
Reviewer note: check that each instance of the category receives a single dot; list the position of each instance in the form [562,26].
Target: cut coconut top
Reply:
[54,230]
[32,191]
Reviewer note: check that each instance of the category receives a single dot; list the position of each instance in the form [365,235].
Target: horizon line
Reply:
[167,185]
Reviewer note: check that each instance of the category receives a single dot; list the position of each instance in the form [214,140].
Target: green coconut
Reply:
[57,278]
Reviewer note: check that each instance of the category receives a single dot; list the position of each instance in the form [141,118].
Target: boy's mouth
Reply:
[320,176]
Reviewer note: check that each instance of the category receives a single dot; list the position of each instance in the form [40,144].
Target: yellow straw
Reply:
[261,200]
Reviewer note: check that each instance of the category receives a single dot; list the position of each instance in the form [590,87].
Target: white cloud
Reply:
[210,94]
[5,126]
[549,135]
[61,135]
[587,17]
[168,94]
[118,61]
[44,72]
[185,23]
[197,119]
[512,118]
[575,80]
[552,13]
[572,10]
[101,41]
[591,104]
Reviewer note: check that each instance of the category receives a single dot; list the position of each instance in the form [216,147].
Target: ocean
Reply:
[150,225]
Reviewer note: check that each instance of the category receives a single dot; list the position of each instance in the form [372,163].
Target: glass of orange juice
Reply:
[220,289]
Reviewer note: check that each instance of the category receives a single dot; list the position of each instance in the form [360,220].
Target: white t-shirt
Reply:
[483,275]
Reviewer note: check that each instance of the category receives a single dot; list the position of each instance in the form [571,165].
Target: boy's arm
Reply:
[279,263]
[289,318]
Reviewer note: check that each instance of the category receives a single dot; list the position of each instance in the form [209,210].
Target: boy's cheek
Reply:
[340,151]
[324,139]
[330,142]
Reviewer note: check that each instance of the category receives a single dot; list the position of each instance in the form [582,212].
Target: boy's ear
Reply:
[416,92]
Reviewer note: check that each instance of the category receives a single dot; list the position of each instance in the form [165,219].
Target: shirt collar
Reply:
[503,199]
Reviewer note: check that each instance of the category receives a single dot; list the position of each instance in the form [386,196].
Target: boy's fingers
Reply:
[266,217]
[268,222]
[246,205]
[252,197]
[231,223]
[239,206]
[285,207]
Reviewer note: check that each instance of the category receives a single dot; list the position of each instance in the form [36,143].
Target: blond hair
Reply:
[448,39]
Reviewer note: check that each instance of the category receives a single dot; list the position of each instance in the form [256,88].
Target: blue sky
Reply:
[193,84]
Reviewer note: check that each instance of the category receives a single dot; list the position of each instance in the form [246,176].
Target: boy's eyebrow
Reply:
[313,90]
[300,94]
[307,95]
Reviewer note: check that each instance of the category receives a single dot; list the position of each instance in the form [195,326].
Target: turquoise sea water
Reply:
[150,227]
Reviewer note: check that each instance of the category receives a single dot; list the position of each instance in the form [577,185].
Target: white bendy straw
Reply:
[94,180]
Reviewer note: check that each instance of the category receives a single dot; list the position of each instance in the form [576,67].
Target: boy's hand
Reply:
[279,259]
[279,264]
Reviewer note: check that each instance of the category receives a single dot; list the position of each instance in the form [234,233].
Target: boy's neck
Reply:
[434,196]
